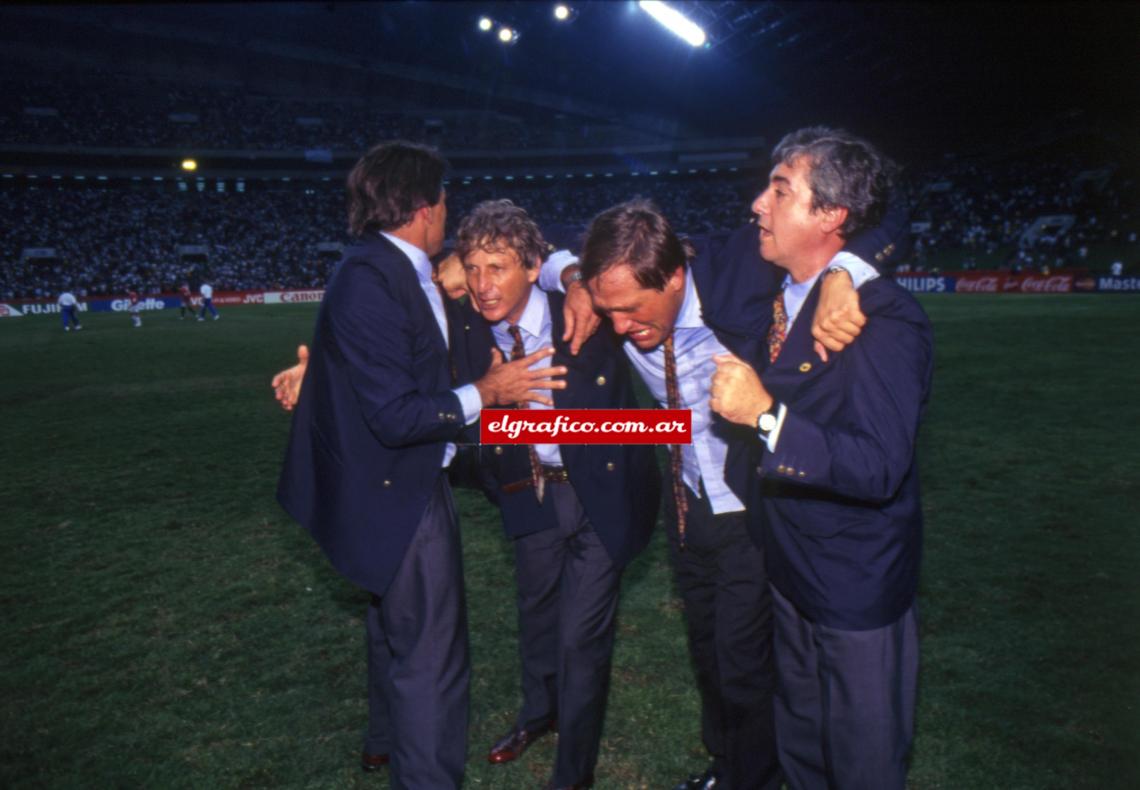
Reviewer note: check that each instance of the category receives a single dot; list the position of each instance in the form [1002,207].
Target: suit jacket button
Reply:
[387,483]
[805,367]
[610,466]
[791,471]
[802,473]
[601,381]
[441,415]
[498,451]
[781,468]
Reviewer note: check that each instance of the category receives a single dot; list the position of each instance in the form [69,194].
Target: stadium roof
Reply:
[936,74]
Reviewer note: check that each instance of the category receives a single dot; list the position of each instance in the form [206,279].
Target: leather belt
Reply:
[551,474]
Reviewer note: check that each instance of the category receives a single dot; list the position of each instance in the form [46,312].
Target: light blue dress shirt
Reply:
[694,346]
[535,326]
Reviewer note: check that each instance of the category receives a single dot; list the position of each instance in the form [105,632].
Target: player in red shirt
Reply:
[184,293]
[134,309]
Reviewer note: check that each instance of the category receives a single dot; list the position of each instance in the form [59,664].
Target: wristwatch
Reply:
[575,276]
[766,422]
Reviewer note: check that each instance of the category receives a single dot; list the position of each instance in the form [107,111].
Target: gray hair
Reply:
[846,172]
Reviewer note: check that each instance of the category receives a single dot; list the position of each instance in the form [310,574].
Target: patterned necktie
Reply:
[518,351]
[778,331]
[673,401]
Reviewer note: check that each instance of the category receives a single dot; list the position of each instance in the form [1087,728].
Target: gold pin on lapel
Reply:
[805,367]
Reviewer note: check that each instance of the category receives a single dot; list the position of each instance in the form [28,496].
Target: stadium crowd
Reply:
[980,213]
[106,110]
[112,239]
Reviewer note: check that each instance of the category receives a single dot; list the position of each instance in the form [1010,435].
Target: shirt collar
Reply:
[535,316]
[418,257]
[805,287]
[689,316]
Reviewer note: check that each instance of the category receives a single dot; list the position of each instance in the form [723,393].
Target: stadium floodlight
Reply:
[675,22]
[508,35]
[565,13]
[485,24]
[189,165]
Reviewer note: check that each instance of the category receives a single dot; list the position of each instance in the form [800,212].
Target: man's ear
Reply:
[832,219]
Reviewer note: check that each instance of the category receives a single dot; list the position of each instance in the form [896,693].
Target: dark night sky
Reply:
[940,73]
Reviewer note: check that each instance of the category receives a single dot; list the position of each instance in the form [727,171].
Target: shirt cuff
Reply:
[774,435]
[470,402]
[861,272]
[550,275]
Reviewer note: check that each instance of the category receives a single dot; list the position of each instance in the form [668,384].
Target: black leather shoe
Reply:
[706,781]
[372,762]
[512,745]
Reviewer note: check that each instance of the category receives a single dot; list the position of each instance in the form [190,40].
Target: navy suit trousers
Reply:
[419,667]
[567,600]
[846,699]
[728,612]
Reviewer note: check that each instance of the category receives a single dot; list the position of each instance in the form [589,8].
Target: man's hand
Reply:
[449,276]
[838,319]
[287,384]
[581,319]
[737,394]
[510,383]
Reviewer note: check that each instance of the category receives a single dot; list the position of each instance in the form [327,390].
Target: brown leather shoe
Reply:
[372,762]
[512,745]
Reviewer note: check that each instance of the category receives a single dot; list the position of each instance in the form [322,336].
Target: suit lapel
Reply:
[554,303]
[798,364]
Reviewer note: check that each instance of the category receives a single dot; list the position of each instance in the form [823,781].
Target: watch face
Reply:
[767,422]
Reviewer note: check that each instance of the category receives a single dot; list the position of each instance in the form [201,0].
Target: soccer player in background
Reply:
[186,304]
[69,310]
[207,292]
[134,308]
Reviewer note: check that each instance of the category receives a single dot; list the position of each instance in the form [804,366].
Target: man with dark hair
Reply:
[678,310]
[838,482]
[576,514]
[373,431]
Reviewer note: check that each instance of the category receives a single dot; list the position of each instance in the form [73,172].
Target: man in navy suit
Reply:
[667,300]
[838,481]
[591,512]
[372,434]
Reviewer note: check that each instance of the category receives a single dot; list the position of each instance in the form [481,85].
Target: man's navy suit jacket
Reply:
[618,485]
[375,414]
[737,286]
[842,524]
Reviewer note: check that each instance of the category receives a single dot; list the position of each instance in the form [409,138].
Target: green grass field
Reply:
[165,625]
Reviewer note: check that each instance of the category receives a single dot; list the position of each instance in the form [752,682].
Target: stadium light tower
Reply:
[485,24]
[508,35]
[675,22]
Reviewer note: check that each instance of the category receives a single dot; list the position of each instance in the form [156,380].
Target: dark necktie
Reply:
[518,351]
[673,401]
[778,332]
